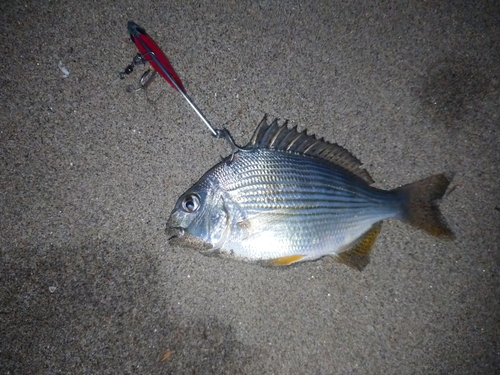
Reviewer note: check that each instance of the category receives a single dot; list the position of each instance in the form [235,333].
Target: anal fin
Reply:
[286,261]
[358,256]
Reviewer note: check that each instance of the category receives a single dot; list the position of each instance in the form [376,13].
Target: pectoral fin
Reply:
[261,222]
[358,256]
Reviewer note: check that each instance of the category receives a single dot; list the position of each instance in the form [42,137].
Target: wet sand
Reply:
[90,172]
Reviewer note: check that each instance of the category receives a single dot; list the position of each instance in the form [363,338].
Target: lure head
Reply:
[134,29]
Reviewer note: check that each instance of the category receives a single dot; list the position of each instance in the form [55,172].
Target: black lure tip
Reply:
[134,29]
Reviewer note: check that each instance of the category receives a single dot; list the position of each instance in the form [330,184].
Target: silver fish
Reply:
[288,197]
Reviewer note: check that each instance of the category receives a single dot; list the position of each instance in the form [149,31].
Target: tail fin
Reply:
[420,208]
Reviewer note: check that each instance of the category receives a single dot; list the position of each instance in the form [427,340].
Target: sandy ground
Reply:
[90,172]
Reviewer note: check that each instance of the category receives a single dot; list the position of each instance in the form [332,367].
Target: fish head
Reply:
[200,218]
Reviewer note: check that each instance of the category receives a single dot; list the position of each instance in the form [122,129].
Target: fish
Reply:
[288,197]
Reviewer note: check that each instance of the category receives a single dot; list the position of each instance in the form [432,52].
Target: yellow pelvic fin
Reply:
[359,255]
[286,261]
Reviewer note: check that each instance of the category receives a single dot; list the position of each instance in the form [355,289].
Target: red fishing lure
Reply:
[150,52]
[154,55]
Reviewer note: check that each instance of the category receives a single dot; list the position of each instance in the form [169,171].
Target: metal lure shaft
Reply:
[158,60]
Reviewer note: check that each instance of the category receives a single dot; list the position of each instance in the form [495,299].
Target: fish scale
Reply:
[294,189]
[334,210]
[288,197]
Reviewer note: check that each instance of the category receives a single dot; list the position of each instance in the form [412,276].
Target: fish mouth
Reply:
[174,232]
[178,236]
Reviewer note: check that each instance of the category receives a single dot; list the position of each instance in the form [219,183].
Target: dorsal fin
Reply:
[279,137]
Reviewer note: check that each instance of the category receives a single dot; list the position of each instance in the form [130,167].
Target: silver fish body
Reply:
[279,202]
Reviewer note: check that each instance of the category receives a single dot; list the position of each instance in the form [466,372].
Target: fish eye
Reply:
[191,202]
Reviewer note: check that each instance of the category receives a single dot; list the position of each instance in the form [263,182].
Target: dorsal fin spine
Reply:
[294,140]
[279,137]
[276,136]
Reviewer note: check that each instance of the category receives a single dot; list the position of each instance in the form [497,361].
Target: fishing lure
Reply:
[151,53]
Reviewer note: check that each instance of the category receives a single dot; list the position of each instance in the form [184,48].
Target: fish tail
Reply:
[420,208]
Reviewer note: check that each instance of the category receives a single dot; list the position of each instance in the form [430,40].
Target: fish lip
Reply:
[174,232]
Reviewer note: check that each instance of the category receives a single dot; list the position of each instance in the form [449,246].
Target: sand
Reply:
[90,172]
